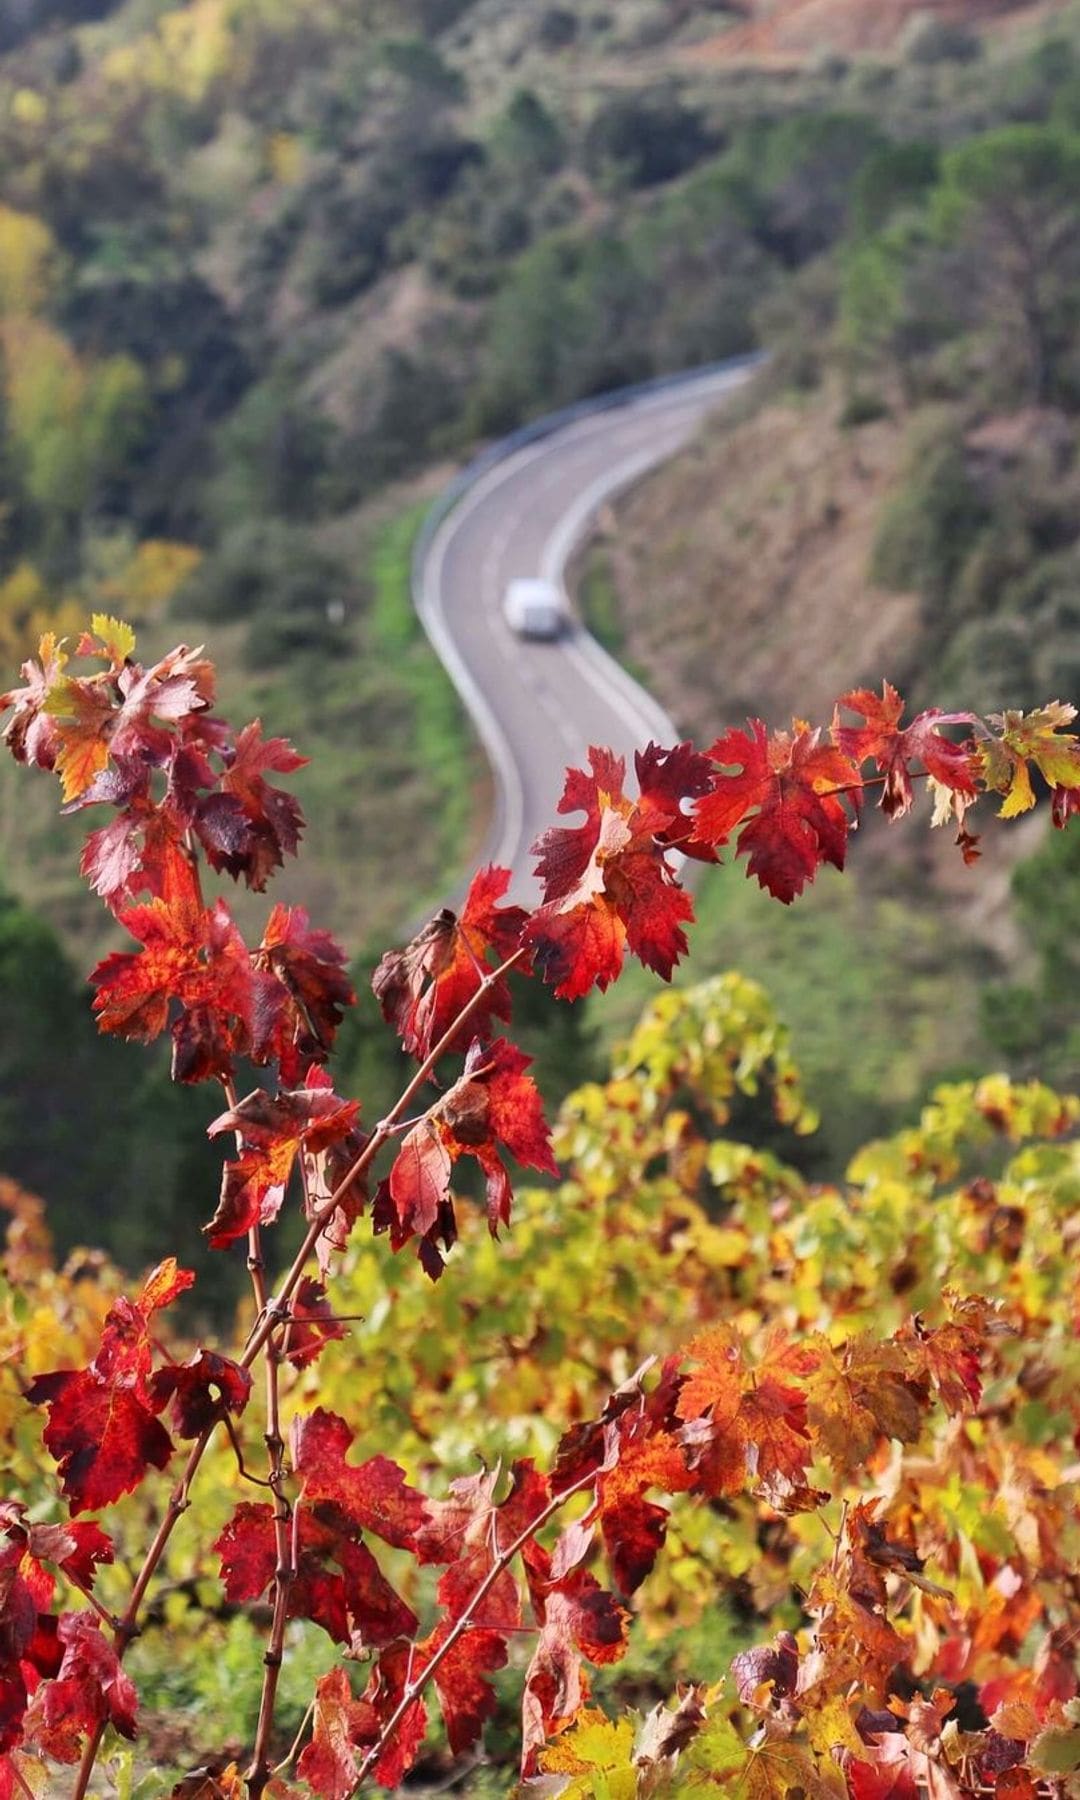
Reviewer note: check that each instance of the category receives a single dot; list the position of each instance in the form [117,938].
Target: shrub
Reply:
[638,140]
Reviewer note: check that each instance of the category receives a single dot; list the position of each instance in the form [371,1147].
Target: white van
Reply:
[534,608]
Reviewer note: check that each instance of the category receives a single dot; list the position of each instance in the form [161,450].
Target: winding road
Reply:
[538,706]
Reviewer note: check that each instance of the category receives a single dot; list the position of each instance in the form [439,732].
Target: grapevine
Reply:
[730,1413]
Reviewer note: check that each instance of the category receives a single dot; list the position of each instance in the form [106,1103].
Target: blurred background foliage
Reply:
[266,270]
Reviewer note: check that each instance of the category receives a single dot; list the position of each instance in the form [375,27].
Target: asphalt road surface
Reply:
[538,706]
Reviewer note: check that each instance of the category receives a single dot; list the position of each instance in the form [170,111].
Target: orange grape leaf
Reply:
[894,750]
[84,712]
[860,1392]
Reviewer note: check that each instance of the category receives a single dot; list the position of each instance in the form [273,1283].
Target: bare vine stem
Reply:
[272,1314]
[276,1308]
[258,1772]
[127,1626]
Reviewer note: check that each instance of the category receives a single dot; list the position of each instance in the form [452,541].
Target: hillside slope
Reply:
[800,28]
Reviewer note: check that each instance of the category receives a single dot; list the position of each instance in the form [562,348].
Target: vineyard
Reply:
[675,1474]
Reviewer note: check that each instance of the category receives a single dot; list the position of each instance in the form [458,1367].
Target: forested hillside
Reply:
[267,269]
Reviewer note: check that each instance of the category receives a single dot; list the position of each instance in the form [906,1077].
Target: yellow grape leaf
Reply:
[773,1767]
[117,638]
[597,1754]
[1034,737]
[830,1727]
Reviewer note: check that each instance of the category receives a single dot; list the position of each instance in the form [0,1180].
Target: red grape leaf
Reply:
[343,1726]
[578,1619]
[345,1729]
[191,954]
[326,1169]
[111,856]
[424,987]
[102,1427]
[311,1324]
[272,1130]
[894,750]
[608,883]
[273,816]
[301,993]
[882,1778]
[493,1103]
[89,1689]
[104,1438]
[336,1582]
[634,1528]
[465,1697]
[471,1531]
[787,789]
[329,1763]
[76,1547]
[630,1449]
[201,1391]
[950,1355]
[374,1495]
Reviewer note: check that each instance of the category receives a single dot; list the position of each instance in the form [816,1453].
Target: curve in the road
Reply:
[522,509]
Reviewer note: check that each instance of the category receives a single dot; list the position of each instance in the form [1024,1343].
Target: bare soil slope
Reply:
[740,568]
[792,29]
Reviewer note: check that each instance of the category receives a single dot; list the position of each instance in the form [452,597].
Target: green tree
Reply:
[1009,207]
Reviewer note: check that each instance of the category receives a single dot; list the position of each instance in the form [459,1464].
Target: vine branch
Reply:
[466,1622]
